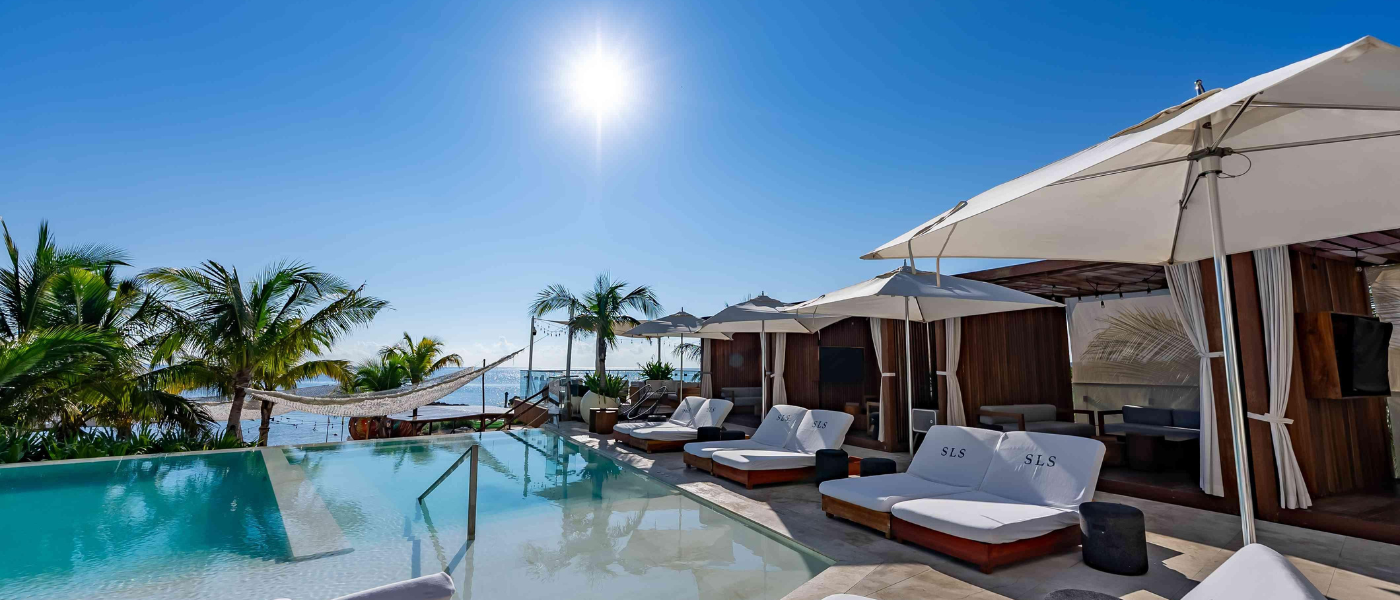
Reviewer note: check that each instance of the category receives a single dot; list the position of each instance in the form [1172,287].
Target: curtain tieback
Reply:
[941,373]
[889,374]
[1213,355]
[1270,418]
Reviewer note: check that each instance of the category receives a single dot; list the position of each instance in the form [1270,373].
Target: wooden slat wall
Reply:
[1019,357]
[1222,400]
[723,373]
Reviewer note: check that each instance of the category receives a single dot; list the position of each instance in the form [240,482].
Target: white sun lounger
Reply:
[675,434]
[437,586]
[777,426]
[951,460]
[1027,504]
[683,415]
[795,460]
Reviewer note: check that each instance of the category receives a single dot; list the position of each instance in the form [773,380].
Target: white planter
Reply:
[591,400]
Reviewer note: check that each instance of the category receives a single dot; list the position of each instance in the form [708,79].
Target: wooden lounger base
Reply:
[621,438]
[874,519]
[650,446]
[753,478]
[704,464]
[986,556]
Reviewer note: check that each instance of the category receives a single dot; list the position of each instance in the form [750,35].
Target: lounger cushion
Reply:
[1045,469]
[955,456]
[820,430]
[437,586]
[630,426]
[881,492]
[665,432]
[712,413]
[779,424]
[685,411]
[984,517]
[708,449]
[764,460]
[1256,572]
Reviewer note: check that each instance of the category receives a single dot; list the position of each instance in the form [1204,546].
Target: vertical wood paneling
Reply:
[723,373]
[1222,400]
[1254,371]
[1019,357]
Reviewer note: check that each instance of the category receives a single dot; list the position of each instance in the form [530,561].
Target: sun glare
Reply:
[600,84]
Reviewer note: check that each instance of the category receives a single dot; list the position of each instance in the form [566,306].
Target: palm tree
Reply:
[380,376]
[601,310]
[226,336]
[420,359]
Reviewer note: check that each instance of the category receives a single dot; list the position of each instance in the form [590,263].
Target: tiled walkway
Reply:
[1184,545]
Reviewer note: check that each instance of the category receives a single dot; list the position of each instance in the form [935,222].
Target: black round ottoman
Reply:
[1115,538]
[831,464]
[1078,595]
[708,434]
[876,466]
[732,434]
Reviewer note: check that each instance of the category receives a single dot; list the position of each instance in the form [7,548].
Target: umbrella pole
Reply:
[680,387]
[909,377]
[1210,166]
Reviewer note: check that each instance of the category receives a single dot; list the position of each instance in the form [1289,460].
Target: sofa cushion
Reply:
[708,449]
[1170,432]
[880,492]
[820,430]
[1256,572]
[712,413]
[1144,415]
[1189,419]
[777,427]
[1059,471]
[956,456]
[1058,427]
[764,460]
[684,415]
[665,432]
[984,517]
[1033,412]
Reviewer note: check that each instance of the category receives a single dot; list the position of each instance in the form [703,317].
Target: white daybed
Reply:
[773,432]
[675,434]
[950,461]
[1027,504]
[795,460]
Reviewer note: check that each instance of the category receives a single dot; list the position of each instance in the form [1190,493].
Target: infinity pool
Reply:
[555,520]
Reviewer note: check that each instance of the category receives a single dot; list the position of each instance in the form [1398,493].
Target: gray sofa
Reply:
[1172,423]
[1038,418]
[744,398]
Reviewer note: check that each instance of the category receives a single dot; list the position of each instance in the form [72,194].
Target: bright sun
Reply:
[600,83]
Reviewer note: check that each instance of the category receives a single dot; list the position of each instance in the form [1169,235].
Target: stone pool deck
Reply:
[1184,545]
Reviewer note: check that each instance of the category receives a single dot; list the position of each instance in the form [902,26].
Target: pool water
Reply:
[554,520]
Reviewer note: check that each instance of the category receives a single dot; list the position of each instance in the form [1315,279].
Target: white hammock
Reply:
[329,400]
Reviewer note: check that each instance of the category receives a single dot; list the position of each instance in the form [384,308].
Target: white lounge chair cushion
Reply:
[956,456]
[880,492]
[820,430]
[984,517]
[1256,572]
[665,432]
[437,586]
[1045,469]
[779,424]
[764,460]
[684,414]
[630,426]
[708,449]
[712,413]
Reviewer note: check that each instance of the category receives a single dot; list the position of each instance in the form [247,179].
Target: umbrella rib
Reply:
[1188,187]
[1326,106]
[1347,138]
[1155,163]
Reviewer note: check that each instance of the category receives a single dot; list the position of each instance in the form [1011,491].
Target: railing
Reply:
[473,451]
[525,404]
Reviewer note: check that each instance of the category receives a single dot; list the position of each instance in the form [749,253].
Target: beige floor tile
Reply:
[930,585]
[1352,586]
[887,575]
[1372,559]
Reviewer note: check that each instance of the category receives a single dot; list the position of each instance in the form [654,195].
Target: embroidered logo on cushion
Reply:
[1040,460]
[784,418]
[952,452]
[819,424]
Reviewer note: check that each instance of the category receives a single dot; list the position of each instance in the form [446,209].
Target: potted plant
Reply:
[603,392]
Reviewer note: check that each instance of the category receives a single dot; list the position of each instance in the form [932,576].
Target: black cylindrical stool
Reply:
[708,434]
[732,434]
[876,466]
[831,464]
[1078,595]
[1115,538]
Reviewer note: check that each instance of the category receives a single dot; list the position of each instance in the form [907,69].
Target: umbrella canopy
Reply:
[889,295]
[1308,152]
[764,315]
[681,324]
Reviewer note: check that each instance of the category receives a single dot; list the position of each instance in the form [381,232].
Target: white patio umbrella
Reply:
[763,316]
[1306,152]
[919,296]
[679,325]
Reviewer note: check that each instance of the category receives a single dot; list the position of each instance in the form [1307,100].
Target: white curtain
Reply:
[779,361]
[952,339]
[886,411]
[707,388]
[1275,277]
[1184,283]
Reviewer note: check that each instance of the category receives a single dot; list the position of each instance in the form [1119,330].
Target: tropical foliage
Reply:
[1140,346]
[18,444]
[379,375]
[605,310]
[607,386]
[420,359]
[656,370]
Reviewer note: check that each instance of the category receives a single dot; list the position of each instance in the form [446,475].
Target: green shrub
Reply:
[609,386]
[656,369]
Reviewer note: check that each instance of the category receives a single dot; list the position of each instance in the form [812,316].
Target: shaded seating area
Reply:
[775,430]
[1039,418]
[1143,420]
[795,460]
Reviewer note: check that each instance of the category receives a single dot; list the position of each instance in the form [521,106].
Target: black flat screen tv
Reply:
[841,364]
[1362,345]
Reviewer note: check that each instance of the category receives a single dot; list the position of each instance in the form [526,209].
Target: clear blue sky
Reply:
[429,149]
